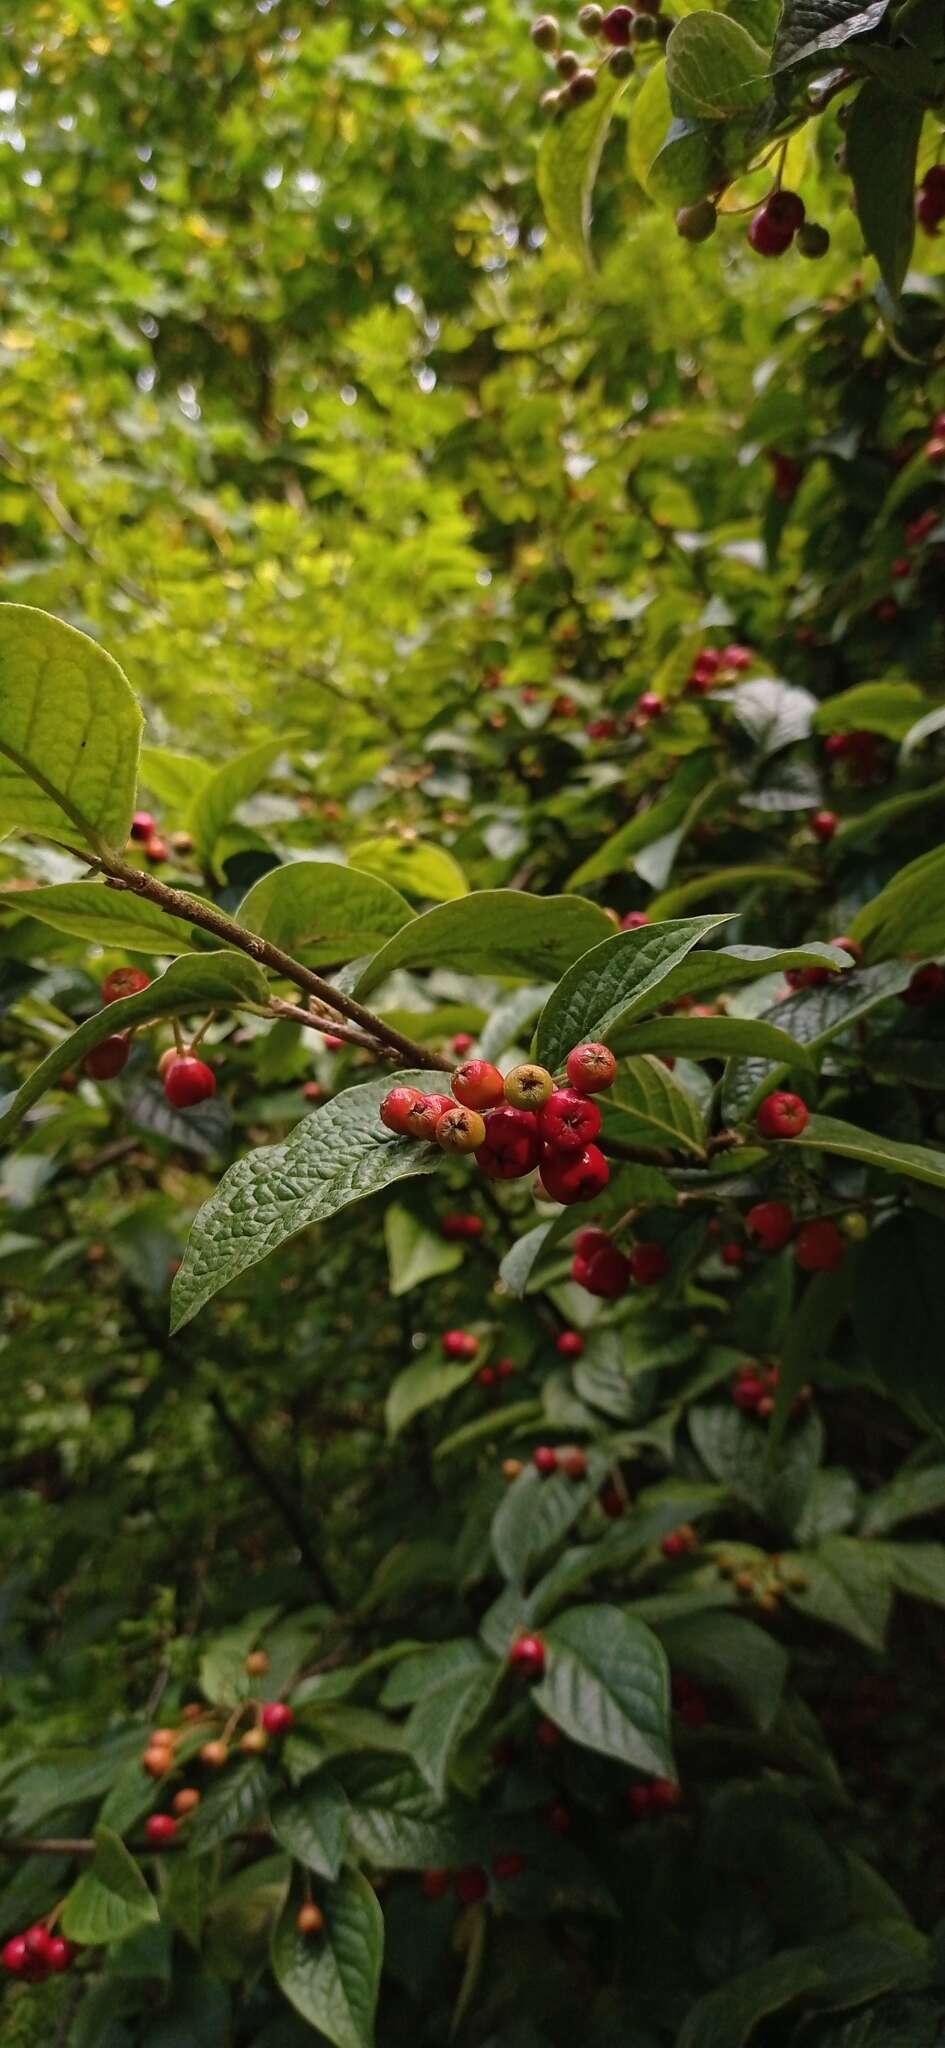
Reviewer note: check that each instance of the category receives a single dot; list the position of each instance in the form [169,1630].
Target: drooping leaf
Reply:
[881,147]
[568,162]
[729,1651]
[888,708]
[429,1380]
[649,1106]
[323,913]
[889,1155]
[908,916]
[714,68]
[336,1156]
[415,1252]
[70,730]
[533,1514]
[110,1899]
[846,1969]
[234,1802]
[333,1981]
[606,1685]
[700,1038]
[443,1716]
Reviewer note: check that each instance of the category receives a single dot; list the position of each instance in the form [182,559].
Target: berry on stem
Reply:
[570,1344]
[189,1081]
[460,1130]
[820,1247]
[617,25]
[459,1344]
[591,1068]
[544,32]
[569,1120]
[824,825]
[649,1263]
[575,1177]
[772,1223]
[696,223]
[926,987]
[472,1885]
[277,1718]
[108,1058]
[310,1919]
[160,1827]
[545,1460]
[528,1087]
[478,1085]
[124,981]
[143,826]
[435,1884]
[606,1273]
[782,1115]
[527,1656]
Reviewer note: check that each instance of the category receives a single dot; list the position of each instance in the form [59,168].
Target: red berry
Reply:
[463,1043]
[435,1883]
[736,657]
[575,1176]
[612,1502]
[617,26]
[547,1735]
[767,235]
[929,212]
[456,1224]
[312,1091]
[820,1247]
[507,1866]
[37,1941]
[591,1239]
[649,1263]
[107,1059]
[601,729]
[919,529]
[772,1223]
[160,1827]
[558,1817]
[591,1068]
[459,1344]
[926,987]
[156,849]
[61,1955]
[124,981]
[606,1273]
[748,1391]
[786,210]
[824,824]
[506,1368]
[143,826]
[471,1885]
[836,745]
[650,705]
[277,1718]
[396,1108]
[851,946]
[569,1120]
[634,921]
[487,1376]
[16,1956]
[574,1464]
[545,1460]
[733,1254]
[512,1145]
[570,1344]
[665,1794]
[782,1115]
[638,1800]
[188,1082]
[478,1085]
[424,1116]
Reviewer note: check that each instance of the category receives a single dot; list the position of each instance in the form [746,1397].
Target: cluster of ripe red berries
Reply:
[649,705]
[145,832]
[714,665]
[618,31]
[661,1795]
[606,1271]
[819,1246]
[159,1759]
[472,1883]
[862,755]
[38,1954]
[187,1079]
[930,200]
[754,1389]
[518,1123]
[567,1458]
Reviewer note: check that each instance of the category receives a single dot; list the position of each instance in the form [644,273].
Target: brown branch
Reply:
[82,1845]
[194,910]
[348,1032]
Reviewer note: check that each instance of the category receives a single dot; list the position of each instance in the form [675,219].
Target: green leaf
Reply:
[725,1650]
[899,1312]
[846,1969]
[110,1899]
[220,795]
[415,1252]
[397,1823]
[337,1156]
[495,931]
[234,1802]
[323,913]
[845,1583]
[568,162]
[687,167]
[428,872]
[312,1823]
[702,1038]
[714,68]
[882,142]
[223,980]
[445,1715]
[733,880]
[606,1685]
[650,1107]
[615,982]
[70,729]
[808,27]
[112,917]
[172,777]
[688,782]
[429,1380]
[911,1494]
[908,916]
[223,1679]
[701,974]
[533,1514]
[333,1980]
[888,708]
[889,1155]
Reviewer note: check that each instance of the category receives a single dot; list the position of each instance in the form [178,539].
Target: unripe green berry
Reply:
[567,64]
[544,32]
[621,64]
[812,239]
[643,30]
[697,223]
[528,1087]
[553,102]
[590,19]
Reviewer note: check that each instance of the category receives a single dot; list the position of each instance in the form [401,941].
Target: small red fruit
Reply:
[188,1082]
[569,1120]
[607,1273]
[459,1344]
[471,1885]
[638,1800]
[768,236]
[507,1866]
[312,1091]
[650,705]
[570,1344]
[782,1115]
[675,1544]
[649,1264]
[547,1735]
[277,1718]
[772,1223]
[487,1376]
[820,1247]
[926,987]
[310,1919]
[186,1800]
[823,825]
[512,1146]
[851,946]
[435,1883]
[143,825]
[15,1956]
[589,1240]
[527,1656]
[634,921]
[156,849]
[460,1130]
[108,1058]
[396,1108]
[456,1224]
[665,1794]
[463,1043]
[37,1940]
[574,1464]
[559,1817]
[506,1368]
[424,1115]
[124,981]
[60,1956]
[575,1176]
[591,1068]
[733,1254]
[478,1085]
[736,657]
[160,1827]
[612,1502]
[545,1460]
[617,25]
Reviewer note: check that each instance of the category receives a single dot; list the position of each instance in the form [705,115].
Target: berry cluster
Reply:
[472,1883]
[567,1458]
[187,1079]
[38,1954]
[779,221]
[862,754]
[270,1721]
[681,1542]
[619,33]
[717,665]
[930,200]
[517,1123]
[660,1795]
[457,1225]
[145,833]
[607,1272]
[754,1389]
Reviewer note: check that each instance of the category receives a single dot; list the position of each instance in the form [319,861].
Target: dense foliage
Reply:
[423,1621]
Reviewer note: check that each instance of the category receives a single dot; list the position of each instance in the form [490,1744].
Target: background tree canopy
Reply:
[537,619]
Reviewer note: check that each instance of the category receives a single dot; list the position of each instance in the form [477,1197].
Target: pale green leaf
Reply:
[312,1823]
[428,1381]
[111,917]
[110,1899]
[568,161]
[323,913]
[415,1252]
[70,729]
[219,796]
[495,931]
[421,870]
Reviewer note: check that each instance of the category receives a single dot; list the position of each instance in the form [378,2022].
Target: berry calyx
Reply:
[189,1081]
[570,1344]
[310,1919]
[591,1068]
[545,1460]
[782,1115]
[528,1087]
[772,1224]
[160,1827]
[697,223]
[820,1247]
[459,1344]
[569,1120]
[435,1884]
[124,981]
[108,1058]
[575,1177]
[649,1264]
[823,825]
[478,1085]
[527,1656]
[460,1130]
[277,1718]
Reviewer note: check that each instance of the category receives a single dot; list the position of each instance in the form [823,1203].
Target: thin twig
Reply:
[270,1485]
[331,1025]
